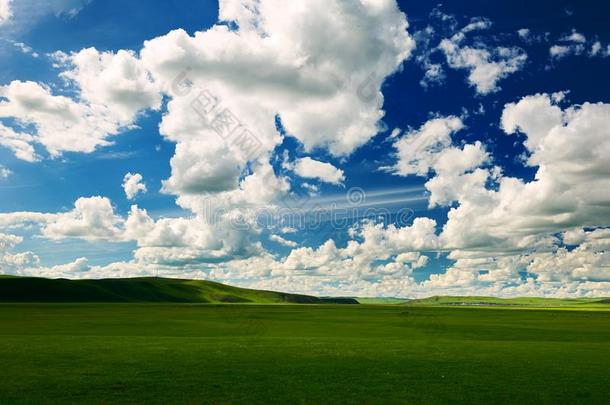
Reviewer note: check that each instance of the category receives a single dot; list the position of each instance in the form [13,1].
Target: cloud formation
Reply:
[229,97]
[5,11]
[313,169]
[132,185]
[486,66]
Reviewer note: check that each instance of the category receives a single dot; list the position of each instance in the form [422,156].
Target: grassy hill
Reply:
[381,300]
[521,302]
[27,289]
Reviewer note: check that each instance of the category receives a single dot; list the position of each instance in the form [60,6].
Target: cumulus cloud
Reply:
[561,51]
[9,241]
[429,149]
[19,143]
[91,219]
[78,266]
[317,71]
[132,185]
[486,66]
[11,263]
[569,189]
[327,92]
[276,64]
[114,89]
[500,226]
[314,169]
[61,124]
[282,241]
[418,150]
[576,44]
[203,167]
[575,37]
[400,247]
[117,81]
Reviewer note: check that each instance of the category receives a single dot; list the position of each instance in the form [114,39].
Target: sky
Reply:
[328,147]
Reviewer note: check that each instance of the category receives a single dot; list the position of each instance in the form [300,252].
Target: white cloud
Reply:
[19,143]
[9,241]
[61,124]
[523,33]
[9,262]
[326,90]
[576,44]
[5,11]
[398,246]
[418,150]
[313,169]
[569,189]
[4,172]
[454,178]
[116,81]
[486,65]
[319,70]
[561,51]
[114,88]
[25,49]
[21,219]
[91,219]
[283,241]
[80,265]
[575,37]
[595,48]
[200,167]
[21,16]
[132,185]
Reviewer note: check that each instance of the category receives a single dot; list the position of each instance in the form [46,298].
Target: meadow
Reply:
[250,353]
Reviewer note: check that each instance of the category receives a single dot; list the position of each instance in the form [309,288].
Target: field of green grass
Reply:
[234,353]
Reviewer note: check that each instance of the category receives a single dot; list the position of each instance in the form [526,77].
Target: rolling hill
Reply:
[520,302]
[29,289]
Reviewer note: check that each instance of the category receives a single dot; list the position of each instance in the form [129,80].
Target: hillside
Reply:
[381,300]
[28,289]
[521,302]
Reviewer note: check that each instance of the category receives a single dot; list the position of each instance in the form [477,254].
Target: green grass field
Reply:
[234,353]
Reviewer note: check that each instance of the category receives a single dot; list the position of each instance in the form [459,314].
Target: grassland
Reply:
[523,302]
[234,353]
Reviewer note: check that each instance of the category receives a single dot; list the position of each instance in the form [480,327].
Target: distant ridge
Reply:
[520,301]
[145,290]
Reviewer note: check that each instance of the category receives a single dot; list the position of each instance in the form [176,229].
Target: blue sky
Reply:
[474,129]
